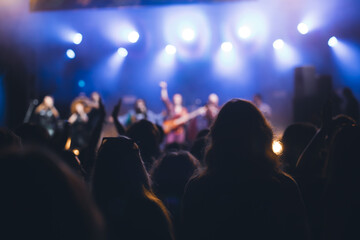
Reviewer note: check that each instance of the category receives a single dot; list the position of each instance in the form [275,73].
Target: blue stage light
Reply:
[170,49]
[133,36]
[226,46]
[81,83]
[188,34]
[122,52]
[278,44]
[333,42]
[303,28]
[78,37]
[244,32]
[70,54]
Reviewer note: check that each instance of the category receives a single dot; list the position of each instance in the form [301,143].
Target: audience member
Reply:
[242,194]
[121,187]
[42,199]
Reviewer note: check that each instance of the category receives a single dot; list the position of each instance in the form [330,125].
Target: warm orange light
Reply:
[277,147]
[68,144]
[76,152]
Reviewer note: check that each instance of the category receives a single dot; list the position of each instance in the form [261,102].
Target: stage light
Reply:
[133,37]
[81,83]
[333,42]
[188,34]
[303,28]
[122,52]
[226,46]
[170,49]
[278,44]
[244,32]
[70,54]
[277,147]
[78,37]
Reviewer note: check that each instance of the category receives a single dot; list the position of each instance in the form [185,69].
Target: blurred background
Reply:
[289,51]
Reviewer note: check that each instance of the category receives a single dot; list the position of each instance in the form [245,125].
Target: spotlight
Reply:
[81,83]
[303,28]
[244,32]
[277,147]
[170,49]
[70,53]
[133,37]
[122,52]
[188,34]
[333,42]
[77,38]
[226,46]
[278,44]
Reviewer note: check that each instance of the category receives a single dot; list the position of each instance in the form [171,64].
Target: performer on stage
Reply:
[80,130]
[212,108]
[140,112]
[47,115]
[175,111]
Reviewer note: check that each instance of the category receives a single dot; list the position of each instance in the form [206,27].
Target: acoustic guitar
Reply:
[173,124]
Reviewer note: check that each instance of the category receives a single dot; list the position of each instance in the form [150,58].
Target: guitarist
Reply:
[174,110]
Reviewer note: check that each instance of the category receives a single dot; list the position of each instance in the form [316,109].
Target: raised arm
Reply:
[165,96]
[119,127]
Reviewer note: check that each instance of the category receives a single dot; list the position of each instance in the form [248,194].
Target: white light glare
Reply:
[226,46]
[188,34]
[278,44]
[333,42]
[244,32]
[77,38]
[122,52]
[303,28]
[70,53]
[277,147]
[133,37]
[170,49]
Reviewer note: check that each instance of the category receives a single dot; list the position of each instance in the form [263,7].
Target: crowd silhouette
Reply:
[228,184]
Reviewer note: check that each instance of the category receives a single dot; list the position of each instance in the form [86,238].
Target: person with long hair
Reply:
[242,193]
[47,115]
[121,188]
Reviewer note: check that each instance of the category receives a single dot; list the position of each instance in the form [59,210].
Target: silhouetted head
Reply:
[348,93]
[147,137]
[295,139]
[42,199]
[32,134]
[171,173]
[241,140]
[177,99]
[344,164]
[119,170]
[8,139]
